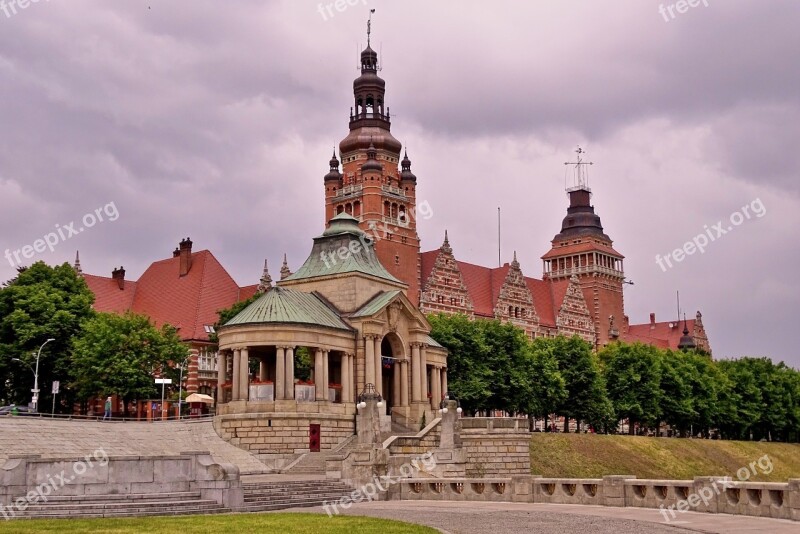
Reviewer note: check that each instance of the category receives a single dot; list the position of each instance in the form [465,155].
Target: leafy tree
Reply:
[42,302]
[120,354]
[676,394]
[586,396]
[470,377]
[633,381]
[542,387]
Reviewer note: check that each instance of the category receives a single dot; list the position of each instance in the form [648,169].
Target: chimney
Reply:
[652,320]
[185,254]
[119,276]
[176,252]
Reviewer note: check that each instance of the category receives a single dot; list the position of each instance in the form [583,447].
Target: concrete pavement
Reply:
[523,518]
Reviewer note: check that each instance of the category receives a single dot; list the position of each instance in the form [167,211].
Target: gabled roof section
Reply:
[427,263]
[186,302]
[376,304]
[542,300]
[108,297]
[286,306]
[659,334]
[342,248]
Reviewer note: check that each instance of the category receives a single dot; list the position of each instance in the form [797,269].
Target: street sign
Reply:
[56,386]
[163,381]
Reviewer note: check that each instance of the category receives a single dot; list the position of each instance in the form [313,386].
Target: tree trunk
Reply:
[631,428]
[566,425]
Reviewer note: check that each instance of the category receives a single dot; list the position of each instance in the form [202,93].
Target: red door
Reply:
[313,438]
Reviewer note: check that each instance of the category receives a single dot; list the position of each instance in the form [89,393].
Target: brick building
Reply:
[580,291]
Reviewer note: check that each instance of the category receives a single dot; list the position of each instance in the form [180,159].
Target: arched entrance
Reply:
[392,354]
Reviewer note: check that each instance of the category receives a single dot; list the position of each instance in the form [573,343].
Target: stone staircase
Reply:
[76,439]
[133,505]
[268,496]
[313,463]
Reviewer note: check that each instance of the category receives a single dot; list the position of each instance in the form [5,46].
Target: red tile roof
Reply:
[543,300]
[659,334]
[579,248]
[108,297]
[427,261]
[188,302]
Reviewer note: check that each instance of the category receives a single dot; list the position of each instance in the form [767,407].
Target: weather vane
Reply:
[369,24]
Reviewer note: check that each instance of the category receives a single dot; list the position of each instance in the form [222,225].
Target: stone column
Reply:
[404,383]
[262,369]
[396,383]
[351,377]
[436,385]
[318,375]
[423,366]
[222,375]
[444,381]
[237,362]
[343,367]
[280,373]
[369,359]
[244,381]
[289,390]
[378,366]
[326,379]
[416,373]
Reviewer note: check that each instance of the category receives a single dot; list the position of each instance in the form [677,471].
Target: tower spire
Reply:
[77,266]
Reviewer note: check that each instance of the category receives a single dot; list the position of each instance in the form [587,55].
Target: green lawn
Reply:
[278,523]
[592,456]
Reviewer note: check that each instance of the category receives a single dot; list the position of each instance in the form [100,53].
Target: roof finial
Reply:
[446,248]
[515,263]
[369,24]
[266,280]
[285,272]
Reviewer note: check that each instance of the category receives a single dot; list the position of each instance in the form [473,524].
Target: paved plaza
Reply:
[521,518]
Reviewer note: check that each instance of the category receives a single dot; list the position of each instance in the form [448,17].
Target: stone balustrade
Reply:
[671,497]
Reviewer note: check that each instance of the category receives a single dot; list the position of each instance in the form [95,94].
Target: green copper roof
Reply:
[280,305]
[432,342]
[376,304]
[342,248]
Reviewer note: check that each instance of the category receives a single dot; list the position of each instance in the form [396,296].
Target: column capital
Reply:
[371,336]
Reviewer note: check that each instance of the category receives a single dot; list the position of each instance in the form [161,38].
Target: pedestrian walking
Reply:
[107,414]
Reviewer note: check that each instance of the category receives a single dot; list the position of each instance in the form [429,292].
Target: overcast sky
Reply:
[216,120]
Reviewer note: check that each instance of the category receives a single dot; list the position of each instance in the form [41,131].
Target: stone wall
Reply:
[496,447]
[30,479]
[282,433]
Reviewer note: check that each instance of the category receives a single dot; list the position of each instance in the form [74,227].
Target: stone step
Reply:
[283,506]
[317,495]
[182,495]
[121,505]
[127,513]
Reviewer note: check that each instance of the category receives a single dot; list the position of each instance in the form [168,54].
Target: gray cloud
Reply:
[216,121]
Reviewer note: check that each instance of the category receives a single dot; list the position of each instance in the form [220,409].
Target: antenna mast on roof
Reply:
[580,173]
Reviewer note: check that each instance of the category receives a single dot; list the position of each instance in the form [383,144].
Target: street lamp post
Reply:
[35,390]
